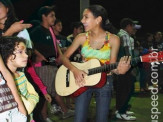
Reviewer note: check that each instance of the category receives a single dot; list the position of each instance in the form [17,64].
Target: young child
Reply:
[13,50]
[11,106]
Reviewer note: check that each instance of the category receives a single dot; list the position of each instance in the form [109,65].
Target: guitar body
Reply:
[65,82]
[100,84]
[73,89]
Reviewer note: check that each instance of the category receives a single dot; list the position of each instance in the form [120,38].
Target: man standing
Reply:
[46,65]
[125,83]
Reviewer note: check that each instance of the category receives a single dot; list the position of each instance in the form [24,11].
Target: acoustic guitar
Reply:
[96,74]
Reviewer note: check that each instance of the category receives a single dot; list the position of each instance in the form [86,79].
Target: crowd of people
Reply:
[31,54]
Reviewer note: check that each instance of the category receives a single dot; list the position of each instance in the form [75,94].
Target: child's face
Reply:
[20,58]
[58,27]
[79,29]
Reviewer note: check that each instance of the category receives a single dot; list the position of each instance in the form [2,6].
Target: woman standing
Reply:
[97,43]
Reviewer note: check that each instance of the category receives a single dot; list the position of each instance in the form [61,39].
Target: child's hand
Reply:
[48,98]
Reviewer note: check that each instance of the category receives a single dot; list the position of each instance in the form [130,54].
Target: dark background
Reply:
[147,12]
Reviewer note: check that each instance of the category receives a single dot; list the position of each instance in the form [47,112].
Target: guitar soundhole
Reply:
[68,78]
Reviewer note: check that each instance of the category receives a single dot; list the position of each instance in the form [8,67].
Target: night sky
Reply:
[147,12]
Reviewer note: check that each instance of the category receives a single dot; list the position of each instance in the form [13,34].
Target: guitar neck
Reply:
[109,67]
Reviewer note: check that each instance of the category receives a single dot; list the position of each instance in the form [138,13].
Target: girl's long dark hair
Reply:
[11,17]
[98,10]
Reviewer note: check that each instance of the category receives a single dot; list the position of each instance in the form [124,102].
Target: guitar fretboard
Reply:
[109,67]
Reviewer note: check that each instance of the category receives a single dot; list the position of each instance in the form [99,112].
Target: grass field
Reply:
[142,104]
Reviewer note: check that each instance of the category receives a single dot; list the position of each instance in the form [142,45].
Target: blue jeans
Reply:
[12,115]
[102,97]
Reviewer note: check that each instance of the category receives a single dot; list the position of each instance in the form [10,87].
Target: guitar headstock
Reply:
[153,57]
